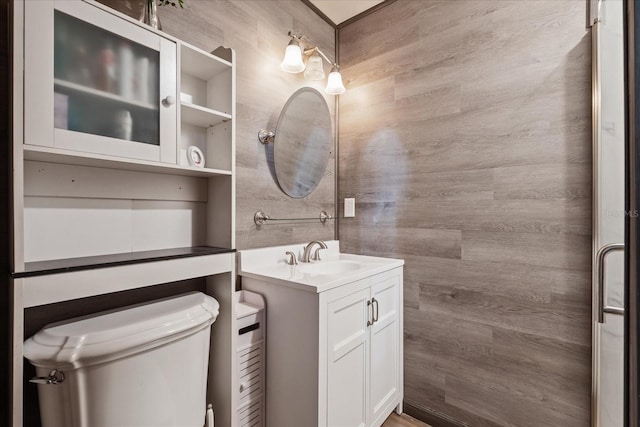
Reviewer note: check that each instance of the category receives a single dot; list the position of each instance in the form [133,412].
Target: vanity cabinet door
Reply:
[96,83]
[385,347]
[348,354]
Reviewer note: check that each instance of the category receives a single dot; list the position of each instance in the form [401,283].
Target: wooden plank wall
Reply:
[465,139]
[257,30]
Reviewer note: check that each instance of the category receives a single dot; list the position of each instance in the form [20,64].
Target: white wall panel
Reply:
[165,224]
[57,227]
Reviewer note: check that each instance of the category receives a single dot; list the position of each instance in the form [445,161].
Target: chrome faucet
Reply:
[292,258]
[306,256]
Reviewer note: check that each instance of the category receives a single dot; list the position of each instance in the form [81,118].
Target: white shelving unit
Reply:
[66,86]
[201,116]
[250,314]
[92,219]
[206,79]
[53,155]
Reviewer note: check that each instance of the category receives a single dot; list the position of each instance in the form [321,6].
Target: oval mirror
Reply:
[302,143]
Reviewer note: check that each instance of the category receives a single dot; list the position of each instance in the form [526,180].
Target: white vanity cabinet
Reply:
[334,353]
[363,350]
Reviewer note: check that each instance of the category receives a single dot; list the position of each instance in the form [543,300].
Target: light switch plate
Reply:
[349,207]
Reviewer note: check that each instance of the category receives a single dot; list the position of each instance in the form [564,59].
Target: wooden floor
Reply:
[403,420]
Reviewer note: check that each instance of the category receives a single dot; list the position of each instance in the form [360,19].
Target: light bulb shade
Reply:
[314,70]
[292,62]
[334,83]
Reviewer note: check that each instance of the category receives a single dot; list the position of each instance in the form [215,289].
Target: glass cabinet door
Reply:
[104,84]
[97,83]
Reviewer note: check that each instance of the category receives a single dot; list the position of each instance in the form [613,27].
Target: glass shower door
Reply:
[608,214]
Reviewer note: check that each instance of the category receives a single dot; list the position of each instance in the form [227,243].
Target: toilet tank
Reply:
[144,365]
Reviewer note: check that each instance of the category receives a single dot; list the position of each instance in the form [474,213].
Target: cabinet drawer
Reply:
[250,329]
[251,373]
[251,415]
[250,360]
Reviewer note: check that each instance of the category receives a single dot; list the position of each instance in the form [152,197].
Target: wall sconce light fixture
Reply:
[314,70]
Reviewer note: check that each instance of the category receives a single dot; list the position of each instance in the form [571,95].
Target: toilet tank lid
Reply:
[113,334]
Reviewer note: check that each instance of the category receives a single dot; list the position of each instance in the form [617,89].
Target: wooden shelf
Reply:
[198,63]
[68,284]
[67,157]
[74,88]
[201,116]
[93,262]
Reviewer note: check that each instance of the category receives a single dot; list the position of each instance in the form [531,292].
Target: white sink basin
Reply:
[335,269]
[329,267]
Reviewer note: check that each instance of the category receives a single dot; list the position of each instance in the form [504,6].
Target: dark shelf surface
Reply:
[41,268]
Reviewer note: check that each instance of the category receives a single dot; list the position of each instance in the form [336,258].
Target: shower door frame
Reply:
[632,230]
[604,236]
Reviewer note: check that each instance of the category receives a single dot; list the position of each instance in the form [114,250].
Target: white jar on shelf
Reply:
[126,70]
[123,125]
[142,79]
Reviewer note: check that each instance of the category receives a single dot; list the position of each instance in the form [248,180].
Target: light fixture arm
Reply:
[309,49]
[317,49]
[299,38]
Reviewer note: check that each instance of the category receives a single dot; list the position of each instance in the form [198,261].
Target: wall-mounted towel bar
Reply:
[261,218]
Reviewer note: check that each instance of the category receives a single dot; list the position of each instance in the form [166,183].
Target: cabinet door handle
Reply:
[369,313]
[168,101]
[600,295]
[377,310]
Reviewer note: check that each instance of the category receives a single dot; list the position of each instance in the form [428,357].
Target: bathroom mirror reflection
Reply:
[302,143]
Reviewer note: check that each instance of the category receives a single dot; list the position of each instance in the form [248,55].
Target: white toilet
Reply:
[144,365]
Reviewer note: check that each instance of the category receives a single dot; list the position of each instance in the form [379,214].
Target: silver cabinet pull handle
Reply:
[377,310]
[369,314]
[601,304]
[55,377]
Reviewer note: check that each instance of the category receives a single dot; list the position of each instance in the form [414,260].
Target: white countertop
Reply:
[270,264]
